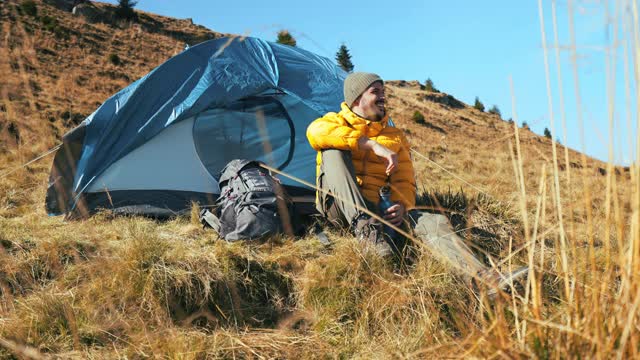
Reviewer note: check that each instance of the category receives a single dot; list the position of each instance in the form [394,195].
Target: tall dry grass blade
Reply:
[571,224]
[531,280]
[283,209]
[635,51]
[627,56]
[563,249]
[518,169]
[612,206]
[634,264]
[629,256]
[586,197]
[514,303]
[563,117]
[624,290]
[539,218]
[518,166]
[543,221]
[629,323]
[610,73]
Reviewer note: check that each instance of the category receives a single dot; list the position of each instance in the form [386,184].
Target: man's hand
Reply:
[395,214]
[391,157]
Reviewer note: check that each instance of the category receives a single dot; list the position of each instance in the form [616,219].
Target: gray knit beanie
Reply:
[356,83]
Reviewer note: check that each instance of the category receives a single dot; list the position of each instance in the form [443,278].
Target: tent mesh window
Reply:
[257,128]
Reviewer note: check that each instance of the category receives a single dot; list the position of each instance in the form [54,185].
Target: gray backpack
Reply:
[252,203]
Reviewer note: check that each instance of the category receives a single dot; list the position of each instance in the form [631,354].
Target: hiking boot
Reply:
[497,281]
[371,232]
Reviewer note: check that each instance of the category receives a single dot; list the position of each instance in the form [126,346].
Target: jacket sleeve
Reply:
[403,182]
[329,132]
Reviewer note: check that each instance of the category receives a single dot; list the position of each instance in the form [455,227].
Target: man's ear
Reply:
[355,102]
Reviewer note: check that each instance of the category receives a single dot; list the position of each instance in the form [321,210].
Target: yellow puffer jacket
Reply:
[342,130]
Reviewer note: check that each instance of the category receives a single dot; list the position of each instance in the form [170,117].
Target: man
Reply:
[358,153]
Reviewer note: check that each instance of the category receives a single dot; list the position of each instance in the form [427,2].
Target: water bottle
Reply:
[385,203]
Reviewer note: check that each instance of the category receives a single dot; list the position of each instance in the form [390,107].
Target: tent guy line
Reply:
[449,172]
[41,156]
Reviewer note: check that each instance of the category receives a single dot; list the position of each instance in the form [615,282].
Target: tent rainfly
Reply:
[159,144]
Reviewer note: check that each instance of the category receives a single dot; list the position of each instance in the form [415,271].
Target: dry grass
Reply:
[116,287]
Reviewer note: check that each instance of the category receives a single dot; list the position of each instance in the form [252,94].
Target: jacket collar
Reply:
[373,127]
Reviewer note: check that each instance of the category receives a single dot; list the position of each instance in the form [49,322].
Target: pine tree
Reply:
[494,110]
[478,104]
[125,11]
[428,85]
[285,38]
[547,133]
[344,58]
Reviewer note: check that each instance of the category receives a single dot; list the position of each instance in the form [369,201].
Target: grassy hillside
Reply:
[112,287]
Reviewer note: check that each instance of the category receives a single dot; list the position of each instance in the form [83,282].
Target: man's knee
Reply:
[335,156]
[439,219]
[425,223]
[426,217]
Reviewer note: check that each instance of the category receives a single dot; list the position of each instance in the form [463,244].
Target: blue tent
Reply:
[160,143]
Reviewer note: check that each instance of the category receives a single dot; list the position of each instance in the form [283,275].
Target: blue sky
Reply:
[468,48]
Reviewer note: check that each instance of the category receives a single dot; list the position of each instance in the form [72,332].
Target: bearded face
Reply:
[371,104]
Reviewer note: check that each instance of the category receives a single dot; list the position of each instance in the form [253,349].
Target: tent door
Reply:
[255,128]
